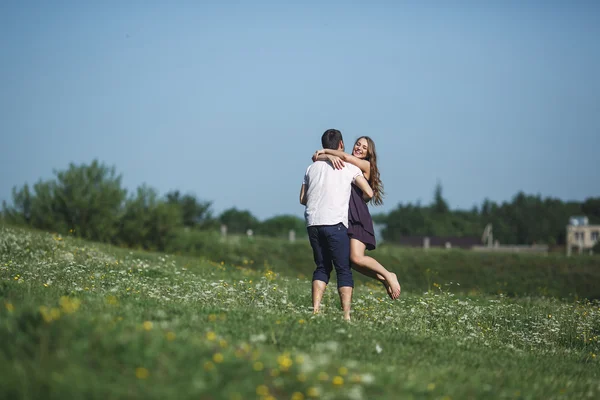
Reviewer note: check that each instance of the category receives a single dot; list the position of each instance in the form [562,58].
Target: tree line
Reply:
[89,201]
[526,219]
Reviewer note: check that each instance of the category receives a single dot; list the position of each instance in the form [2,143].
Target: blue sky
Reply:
[228,100]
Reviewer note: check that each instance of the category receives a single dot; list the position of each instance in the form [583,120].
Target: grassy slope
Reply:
[84,320]
[511,274]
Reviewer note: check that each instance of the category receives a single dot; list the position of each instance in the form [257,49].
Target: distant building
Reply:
[581,235]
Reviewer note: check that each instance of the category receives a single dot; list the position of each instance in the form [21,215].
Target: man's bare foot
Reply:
[395,287]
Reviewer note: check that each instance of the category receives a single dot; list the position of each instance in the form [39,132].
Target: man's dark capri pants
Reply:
[331,245]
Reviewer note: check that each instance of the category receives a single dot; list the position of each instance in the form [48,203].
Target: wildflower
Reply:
[209,366]
[211,336]
[258,366]
[141,373]
[343,371]
[312,392]
[9,307]
[338,381]
[45,314]
[170,336]
[147,325]
[284,361]
[212,318]
[218,358]
[68,305]
[262,390]
[301,378]
[112,300]
[54,313]
[323,376]
[431,386]
[223,343]
[301,321]
[297,396]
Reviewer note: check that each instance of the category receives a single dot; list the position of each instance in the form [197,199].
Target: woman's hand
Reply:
[317,154]
[336,161]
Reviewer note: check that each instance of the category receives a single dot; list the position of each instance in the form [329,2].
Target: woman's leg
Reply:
[370,267]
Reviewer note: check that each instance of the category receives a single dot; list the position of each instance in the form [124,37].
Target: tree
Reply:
[238,221]
[20,213]
[149,222]
[439,205]
[194,213]
[281,225]
[88,199]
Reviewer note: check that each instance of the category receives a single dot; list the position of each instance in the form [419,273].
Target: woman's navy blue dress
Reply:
[360,223]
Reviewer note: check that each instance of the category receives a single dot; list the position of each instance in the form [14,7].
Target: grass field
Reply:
[83,320]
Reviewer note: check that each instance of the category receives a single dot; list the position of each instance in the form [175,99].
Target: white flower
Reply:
[260,338]
[378,348]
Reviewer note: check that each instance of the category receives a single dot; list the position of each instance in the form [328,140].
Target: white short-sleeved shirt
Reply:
[328,193]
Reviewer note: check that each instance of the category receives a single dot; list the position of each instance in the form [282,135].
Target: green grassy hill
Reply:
[82,320]
[552,275]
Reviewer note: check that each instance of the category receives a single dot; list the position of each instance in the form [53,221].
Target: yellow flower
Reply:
[343,371]
[209,366]
[112,300]
[212,317]
[312,392]
[431,386]
[223,343]
[284,361]
[54,313]
[211,336]
[355,378]
[9,307]
[147,325]
[297,396]
[141,373]
[68,305]
[262,390]
[274,373]
[301,377]
[323,376]
[171,336]
[258,366]
[301,321]
[338,381]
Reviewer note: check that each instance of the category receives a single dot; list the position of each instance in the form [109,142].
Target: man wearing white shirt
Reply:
[326,193]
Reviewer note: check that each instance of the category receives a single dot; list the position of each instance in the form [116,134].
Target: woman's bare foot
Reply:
[388,288]
[394,286]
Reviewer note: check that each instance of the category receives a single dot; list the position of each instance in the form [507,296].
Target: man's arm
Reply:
[363,185]
[303,194]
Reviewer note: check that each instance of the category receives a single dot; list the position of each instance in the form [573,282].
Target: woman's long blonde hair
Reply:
[374,179]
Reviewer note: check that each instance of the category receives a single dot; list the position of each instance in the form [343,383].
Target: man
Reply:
[326,193]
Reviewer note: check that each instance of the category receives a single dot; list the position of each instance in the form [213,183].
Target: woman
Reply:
[360,223]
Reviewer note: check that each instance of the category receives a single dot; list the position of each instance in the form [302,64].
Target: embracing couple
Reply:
[335,191]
